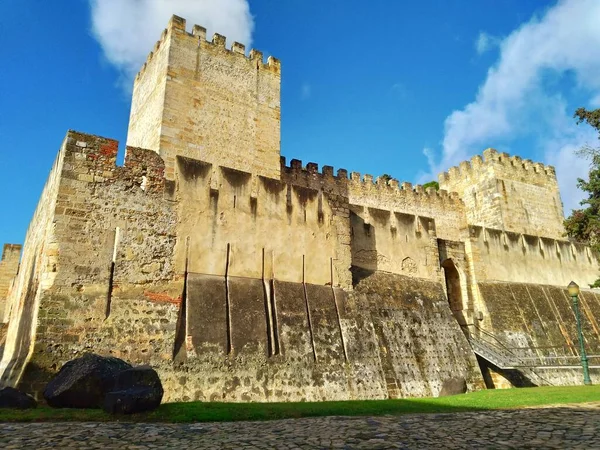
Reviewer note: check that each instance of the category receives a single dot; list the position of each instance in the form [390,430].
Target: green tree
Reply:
[584,224]
[387,178]
[433,184]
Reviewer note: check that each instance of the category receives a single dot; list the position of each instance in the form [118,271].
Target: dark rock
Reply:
[453,386]
[12,398]
[133,400]
[136,390]
[84,382]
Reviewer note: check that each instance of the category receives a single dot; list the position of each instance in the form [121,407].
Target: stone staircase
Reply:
[491,348]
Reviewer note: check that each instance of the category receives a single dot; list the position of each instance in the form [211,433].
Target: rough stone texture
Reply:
[453,386]
[555,427]
[505,192]
[12,398]
[230,270]
[537,321]
[411,319]
[136,389]
[9,265]
[83,382]
[198,99]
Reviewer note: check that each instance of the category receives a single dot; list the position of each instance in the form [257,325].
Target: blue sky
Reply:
[399,87]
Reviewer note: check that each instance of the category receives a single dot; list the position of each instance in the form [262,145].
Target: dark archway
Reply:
[454,290]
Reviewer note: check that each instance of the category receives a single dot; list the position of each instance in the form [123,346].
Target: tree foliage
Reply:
[387,178]
[433,184]
[584,224]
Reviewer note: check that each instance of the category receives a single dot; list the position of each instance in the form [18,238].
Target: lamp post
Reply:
[573,289]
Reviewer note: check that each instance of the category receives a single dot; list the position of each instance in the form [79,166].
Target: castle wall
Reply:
[419,342]
[148,99]
[173,274]
[447,209]
[9,265]
[240,278]
[36,272]
[504,192]
[219,105]
[394,242]
[110,241]
[505,256]
[257,227]
[536,320]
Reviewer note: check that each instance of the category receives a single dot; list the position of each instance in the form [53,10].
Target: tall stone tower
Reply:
[198,99]
[508,193]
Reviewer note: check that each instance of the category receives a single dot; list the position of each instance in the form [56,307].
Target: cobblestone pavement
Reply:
[576,426]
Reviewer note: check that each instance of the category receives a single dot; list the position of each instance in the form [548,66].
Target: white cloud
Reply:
[515,101]
[400,89]
[305,91]
[485,42]
[128,29]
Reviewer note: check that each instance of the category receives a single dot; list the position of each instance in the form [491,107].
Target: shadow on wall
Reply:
[497,378]
[454,291]
[22,343]
[364,252]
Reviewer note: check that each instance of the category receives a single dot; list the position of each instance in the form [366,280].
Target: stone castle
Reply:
[241,277]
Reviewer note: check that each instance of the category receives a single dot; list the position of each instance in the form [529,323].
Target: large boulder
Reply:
[453,386]
[136,390]
[12,398]
[84,382]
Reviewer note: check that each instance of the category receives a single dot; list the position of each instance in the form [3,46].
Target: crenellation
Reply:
[236,47]
[453,173]
[274,64]
[476,162]
[312,168]
[200,32]
[219,40]
[205,253]
[490,155]
[256,55]
[176,23]
[342,174]
[327,171]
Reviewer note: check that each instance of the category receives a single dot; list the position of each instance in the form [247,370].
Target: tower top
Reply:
[199,99]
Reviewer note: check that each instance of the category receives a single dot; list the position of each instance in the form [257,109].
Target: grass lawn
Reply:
[216,412]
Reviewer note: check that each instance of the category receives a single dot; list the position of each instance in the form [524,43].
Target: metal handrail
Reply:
[509,357]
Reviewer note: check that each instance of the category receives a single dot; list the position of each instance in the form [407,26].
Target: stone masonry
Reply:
[242,277]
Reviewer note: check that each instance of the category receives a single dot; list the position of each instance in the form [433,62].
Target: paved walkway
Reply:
[576,426]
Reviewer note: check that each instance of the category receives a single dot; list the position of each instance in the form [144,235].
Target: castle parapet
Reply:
[93,159]
[178,25]
[510,167]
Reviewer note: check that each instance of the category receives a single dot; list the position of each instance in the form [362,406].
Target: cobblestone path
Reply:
[576,426]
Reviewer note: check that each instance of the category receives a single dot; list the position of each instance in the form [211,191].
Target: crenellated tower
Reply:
[196,98]
[508,193]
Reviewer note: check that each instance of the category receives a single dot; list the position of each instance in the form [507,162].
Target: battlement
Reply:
[93,159]
[11,252]
[505,166]
[178,25]
[531,258]
[367,182]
